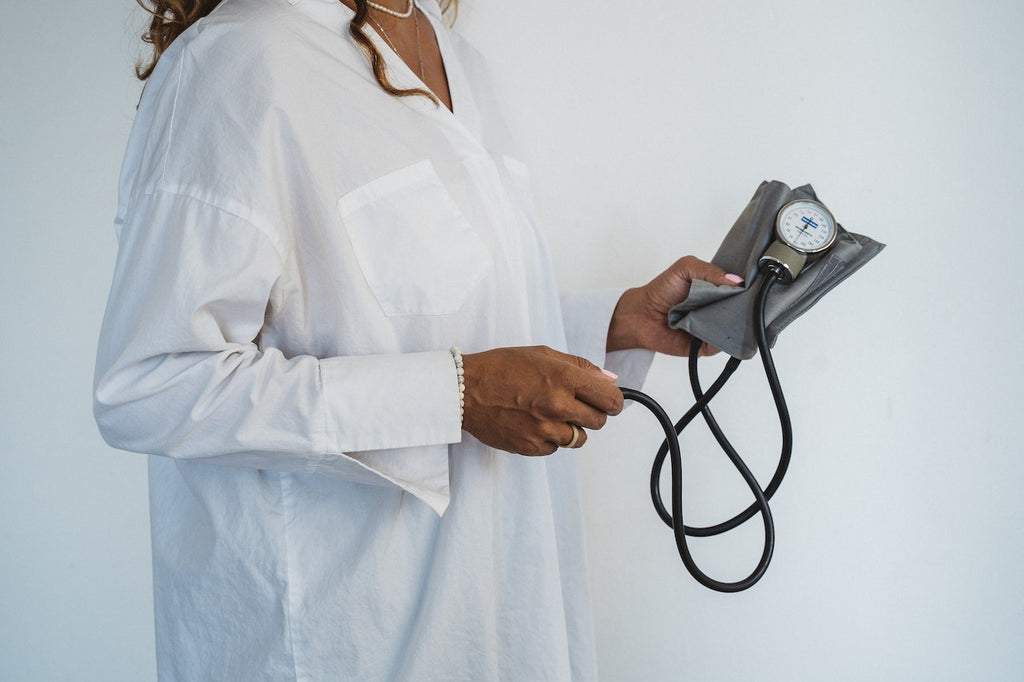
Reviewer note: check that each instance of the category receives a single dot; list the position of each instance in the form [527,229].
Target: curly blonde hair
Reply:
[170,18]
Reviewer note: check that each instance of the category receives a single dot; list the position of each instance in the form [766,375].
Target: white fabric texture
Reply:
[297,251]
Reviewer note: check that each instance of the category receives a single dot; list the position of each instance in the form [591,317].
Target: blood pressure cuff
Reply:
[723,316]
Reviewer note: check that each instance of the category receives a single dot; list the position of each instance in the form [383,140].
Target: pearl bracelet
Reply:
[457,356]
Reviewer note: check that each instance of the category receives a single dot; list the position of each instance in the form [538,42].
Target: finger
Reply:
[577,438]
[588,366]
[695,268]
[584,415]
[542,449]
[583,364]
[599,394]
[594,386]
[568,436]
[707,349]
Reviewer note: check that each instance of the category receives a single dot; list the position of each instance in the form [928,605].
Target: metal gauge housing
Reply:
[805,226]
[803,229]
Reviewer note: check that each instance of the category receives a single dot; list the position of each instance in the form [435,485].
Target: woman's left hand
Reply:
[641,315]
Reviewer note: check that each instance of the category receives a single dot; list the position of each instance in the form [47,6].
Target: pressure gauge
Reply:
[805,226]
[802,228]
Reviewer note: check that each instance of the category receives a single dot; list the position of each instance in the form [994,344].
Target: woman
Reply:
[319,204]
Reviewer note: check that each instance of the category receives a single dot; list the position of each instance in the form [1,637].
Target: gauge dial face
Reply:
[806,226]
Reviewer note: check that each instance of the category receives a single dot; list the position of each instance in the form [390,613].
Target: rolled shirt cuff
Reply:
[394,415]
[587,316]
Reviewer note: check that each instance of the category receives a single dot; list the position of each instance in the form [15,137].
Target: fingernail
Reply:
[735,279]
[611,375]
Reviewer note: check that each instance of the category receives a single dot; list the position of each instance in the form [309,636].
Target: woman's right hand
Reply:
[526,400]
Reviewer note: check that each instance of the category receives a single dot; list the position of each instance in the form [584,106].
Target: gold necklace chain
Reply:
[384,35]
[387,10]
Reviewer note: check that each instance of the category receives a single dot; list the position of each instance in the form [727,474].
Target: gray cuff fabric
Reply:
[724,315]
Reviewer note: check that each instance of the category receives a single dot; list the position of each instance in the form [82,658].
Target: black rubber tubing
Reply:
[670,447]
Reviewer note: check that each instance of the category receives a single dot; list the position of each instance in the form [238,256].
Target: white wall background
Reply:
[648,126]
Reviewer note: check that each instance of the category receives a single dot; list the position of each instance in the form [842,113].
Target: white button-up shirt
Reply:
[298,250]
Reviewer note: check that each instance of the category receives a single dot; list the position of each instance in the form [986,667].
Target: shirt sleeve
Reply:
[180,371]
[587,316]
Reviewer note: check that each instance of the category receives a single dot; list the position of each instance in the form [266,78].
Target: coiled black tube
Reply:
[670,447]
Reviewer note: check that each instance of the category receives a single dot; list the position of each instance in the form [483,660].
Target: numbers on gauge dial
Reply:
[806,226]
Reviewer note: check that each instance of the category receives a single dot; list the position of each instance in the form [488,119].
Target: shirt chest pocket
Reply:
[417,252]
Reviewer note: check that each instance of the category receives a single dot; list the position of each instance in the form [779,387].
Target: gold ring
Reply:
[576,433]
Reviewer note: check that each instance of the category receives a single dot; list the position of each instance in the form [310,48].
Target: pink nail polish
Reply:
[735,279]
[611,375]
